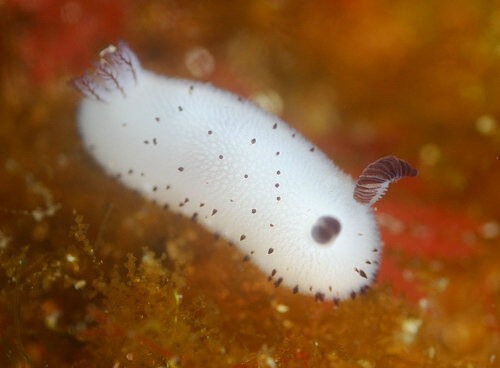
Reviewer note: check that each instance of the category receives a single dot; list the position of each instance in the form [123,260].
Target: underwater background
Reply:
[92,275]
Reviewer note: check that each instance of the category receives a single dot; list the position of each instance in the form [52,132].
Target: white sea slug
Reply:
[239,171]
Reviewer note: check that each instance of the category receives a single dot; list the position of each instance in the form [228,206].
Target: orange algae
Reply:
[92,275]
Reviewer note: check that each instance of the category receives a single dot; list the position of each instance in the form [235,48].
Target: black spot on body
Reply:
[295,289]
[146,142]
[210,132]
[363,274]
[319,296]
[325,229]
[254,210]
[155,188]
[214,211]
[277,185]
[273,272]
[157,119]
[154,141]
[278,282]
[181,169]
[270,250]
[243,237]
[275,125]
[312,149]
[130,171]
[353,295]
[278,198]
[245,176]
[246,258]
[221,157]
[253,141]
[180,108]
[278,172]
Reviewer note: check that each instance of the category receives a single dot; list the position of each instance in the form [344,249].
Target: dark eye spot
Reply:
[325,229]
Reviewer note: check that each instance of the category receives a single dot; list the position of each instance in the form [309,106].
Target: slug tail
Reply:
[375,179]
[117,71]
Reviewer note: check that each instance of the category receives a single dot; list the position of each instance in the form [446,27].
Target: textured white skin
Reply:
[163,124]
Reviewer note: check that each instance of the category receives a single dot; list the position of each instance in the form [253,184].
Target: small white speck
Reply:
[270,362]
[423,304]
[363,363]
[4,240]
[70,258]
[430,154]
[490,230]
[486,125]
[411,325]
[441,284]
[409,330]
[80,284]
[431,352]
[282,308]
[108,50]
[269,100]
[200,62]
[52,319]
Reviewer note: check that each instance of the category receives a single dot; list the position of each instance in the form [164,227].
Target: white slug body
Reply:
[236,169]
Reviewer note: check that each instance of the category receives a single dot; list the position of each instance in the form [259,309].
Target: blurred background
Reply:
[93,275]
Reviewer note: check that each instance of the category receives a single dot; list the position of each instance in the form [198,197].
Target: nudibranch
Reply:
[239,171]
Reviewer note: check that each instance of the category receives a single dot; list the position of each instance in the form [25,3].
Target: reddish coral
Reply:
[428,232]
[59,35]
